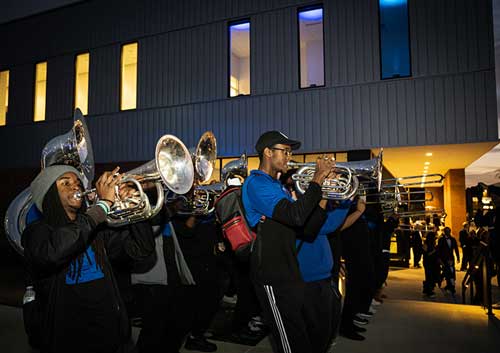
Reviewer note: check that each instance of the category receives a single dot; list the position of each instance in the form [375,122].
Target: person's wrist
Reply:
[108,202]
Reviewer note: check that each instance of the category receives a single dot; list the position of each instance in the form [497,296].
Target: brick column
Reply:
[454,199]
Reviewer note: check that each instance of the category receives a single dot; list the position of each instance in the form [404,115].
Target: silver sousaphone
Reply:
[73,148]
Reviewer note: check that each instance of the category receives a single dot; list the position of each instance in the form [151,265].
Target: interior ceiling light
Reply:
[428,154]
[427,163]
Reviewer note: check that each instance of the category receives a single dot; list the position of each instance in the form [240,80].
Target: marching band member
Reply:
[280,221]
[69,252]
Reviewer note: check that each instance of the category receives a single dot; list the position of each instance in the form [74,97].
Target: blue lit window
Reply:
[239,61]
[394,39]
[312,69]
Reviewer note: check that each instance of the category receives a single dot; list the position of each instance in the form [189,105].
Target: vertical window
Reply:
[239,62]
[128,99]
[40,91]
[82,82]
[394,39]
[4,96]
[312,68]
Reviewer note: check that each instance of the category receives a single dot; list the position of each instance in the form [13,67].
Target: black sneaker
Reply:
[367,315]
[199,344]
[359,320]
[358,329]
[352,335]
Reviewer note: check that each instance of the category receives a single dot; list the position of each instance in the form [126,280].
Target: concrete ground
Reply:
[404,323]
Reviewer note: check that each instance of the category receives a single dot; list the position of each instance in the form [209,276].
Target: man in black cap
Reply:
[279,221]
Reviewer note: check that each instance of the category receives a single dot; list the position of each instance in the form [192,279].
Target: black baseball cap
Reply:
[271,138]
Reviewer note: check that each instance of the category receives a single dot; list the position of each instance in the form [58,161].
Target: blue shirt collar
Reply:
[260,172]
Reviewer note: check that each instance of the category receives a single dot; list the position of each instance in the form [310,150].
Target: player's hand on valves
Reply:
[105,185]
[324,166]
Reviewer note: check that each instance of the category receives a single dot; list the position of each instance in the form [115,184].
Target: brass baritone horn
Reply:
[200,200]
[343,187]
[171,167]
[346,184]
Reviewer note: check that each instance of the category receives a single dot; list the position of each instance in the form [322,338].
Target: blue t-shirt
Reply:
[260,194]
[90,270]
[315,259]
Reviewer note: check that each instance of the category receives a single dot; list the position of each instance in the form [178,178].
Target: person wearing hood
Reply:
[69,252]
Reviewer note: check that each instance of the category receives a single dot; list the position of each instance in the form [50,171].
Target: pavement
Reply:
[405,322]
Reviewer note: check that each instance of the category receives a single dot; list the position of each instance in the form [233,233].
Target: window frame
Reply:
[8,96]
[299,10]
[121,78]
[228,76]
[75,78]
[34,90]
[380,45]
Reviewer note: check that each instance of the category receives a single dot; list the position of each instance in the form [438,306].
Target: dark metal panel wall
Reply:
[274,48]
[450,36]
[351,41]
[104,86]
[183,67]
[182,76]
[21,93]
[60,85]
[422,111]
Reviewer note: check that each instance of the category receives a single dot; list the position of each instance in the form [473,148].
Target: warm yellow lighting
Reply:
[476,266]
[235,87]
[40,91]
[428,154]
[426,167]
[486,200]
[82,82]
[129,77]
[4,96]
[427,163]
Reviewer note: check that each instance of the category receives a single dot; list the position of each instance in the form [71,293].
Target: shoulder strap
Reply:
[300,246]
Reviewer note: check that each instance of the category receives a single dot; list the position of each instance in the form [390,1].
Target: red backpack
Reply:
[231,214]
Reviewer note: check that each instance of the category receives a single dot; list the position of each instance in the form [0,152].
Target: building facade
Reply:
[184,66]
[183,61]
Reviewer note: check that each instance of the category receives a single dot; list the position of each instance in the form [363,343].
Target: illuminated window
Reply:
[4,96]
[394,39]
[341,157]
[40,91]
[128,97]
[312,70]
[239,66]
[253,163]
[82,82]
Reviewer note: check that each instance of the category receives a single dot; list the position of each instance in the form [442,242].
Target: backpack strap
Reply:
[300,245]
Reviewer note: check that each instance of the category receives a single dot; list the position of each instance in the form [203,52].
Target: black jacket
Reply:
[445,252]
[49,253]
[274,256]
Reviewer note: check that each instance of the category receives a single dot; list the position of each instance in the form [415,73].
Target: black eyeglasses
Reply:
[287,152]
